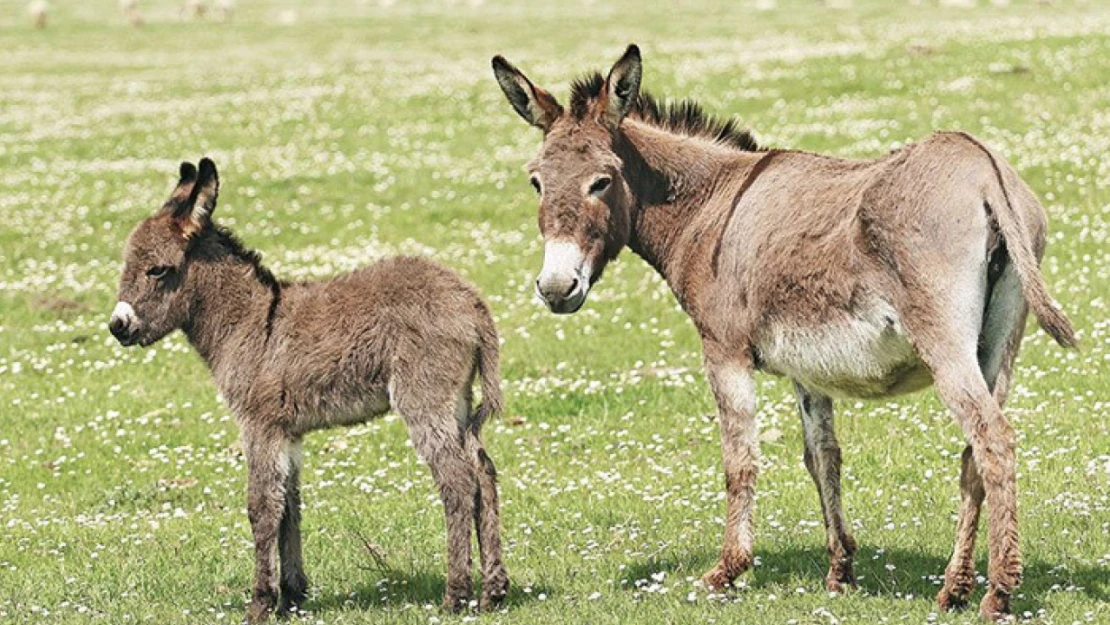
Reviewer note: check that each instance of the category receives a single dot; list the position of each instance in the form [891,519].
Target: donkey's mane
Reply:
[684,117]
[235,248]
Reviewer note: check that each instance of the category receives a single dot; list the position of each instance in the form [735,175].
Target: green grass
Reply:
[361,131]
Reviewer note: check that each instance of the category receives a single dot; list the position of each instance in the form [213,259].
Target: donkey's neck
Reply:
[234,301]
[673,178]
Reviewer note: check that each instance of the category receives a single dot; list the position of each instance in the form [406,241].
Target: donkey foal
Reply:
[291,358]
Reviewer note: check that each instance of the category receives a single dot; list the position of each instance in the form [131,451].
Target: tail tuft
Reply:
[1053,320]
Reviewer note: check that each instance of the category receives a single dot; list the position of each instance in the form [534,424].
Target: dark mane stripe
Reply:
[684,117]
[234,247]
[584,91]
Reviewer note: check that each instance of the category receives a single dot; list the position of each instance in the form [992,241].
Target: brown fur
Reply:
[854,278]
[293,358]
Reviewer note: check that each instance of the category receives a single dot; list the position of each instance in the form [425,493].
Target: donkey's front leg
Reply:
[734,388]
[294,584]
[267,471]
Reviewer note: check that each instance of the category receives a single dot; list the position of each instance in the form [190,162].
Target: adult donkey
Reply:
[291,358]
[852,278]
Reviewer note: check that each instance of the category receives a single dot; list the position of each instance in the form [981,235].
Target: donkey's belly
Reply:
[864,355]
[334,409]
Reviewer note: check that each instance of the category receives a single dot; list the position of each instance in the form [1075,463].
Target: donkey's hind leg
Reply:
[993,443]
[1001,338]
[438,436]
[822,459]
[951,356]
[487,522]
[959,576]
[487,509]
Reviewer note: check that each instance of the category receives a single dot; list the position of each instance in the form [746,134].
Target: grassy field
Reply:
[348,131]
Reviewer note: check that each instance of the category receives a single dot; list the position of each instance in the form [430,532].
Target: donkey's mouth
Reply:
[133,340]
[127,341]
[569,305]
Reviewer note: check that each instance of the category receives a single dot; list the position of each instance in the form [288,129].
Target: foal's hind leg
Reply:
[822,459]
[1001,338]
[495,579]
[438,436]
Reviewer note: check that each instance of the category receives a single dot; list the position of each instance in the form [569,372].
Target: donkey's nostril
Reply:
[572,289]
[118,327]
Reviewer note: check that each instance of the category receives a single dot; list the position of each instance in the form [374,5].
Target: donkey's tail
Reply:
[1021,248]
[489,357]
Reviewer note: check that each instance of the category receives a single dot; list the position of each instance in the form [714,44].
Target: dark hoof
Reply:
[949,600]
[293,596]
[453,604]
[841,585]
[719,578]
[261,607]
[995,606]
[258,613]
[494,591]
[290,605]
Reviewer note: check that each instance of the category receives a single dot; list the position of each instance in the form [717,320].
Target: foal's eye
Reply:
[536,184]
[159,272]
[600,185]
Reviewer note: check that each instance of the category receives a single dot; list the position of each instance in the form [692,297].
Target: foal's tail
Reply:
[1022,254]
[489,356]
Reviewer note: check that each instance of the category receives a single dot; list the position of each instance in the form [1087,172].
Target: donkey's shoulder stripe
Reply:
[757,169]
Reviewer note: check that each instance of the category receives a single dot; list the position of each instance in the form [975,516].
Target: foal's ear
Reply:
[181,193]
[535,105]
[622,87]
[195,213]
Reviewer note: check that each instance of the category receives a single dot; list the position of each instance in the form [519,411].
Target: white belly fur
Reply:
[866,354]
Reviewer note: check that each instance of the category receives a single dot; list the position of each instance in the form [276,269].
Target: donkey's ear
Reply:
[184,189]
[195,213]
[622,87]
[535,105]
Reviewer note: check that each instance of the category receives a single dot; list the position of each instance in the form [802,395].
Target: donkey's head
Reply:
[585,202]
[153,298]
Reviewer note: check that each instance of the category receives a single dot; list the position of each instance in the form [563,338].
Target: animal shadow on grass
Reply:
[385,588]
[914,573]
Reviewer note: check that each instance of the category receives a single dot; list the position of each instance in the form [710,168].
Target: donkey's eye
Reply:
[159,272]
[536,184]
[600,185]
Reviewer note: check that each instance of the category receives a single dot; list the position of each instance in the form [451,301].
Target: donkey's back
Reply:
[402,331]
[842,258]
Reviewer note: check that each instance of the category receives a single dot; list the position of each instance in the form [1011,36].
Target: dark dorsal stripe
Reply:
[757,169]
[271,313]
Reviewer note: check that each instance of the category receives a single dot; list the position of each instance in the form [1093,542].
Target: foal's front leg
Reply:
[734,388]
[294,584]
[266,450]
